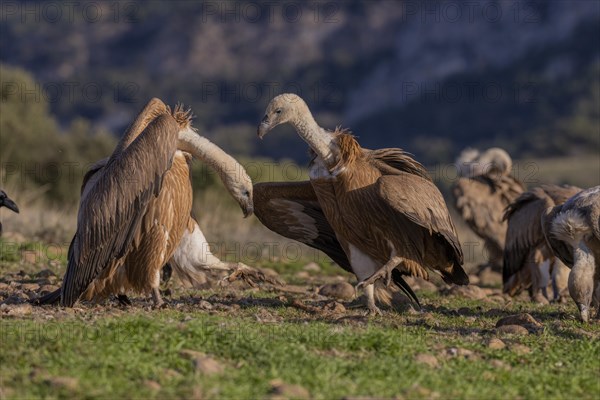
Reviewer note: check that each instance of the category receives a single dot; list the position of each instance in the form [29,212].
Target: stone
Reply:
[60,382]
[152,385]
[312,267]
[525,320]
[512,330]
[338,290]
[281,390]
[427,359]
[496,344]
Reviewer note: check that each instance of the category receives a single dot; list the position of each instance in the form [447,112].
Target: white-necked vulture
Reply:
[376,213]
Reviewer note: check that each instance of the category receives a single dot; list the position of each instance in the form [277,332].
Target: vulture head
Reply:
[5,201]
[239,185]
[493,162]
[287,107]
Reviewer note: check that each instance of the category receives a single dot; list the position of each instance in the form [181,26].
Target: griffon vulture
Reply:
[485,188]
[572,231]
[375,212]
[526,251]
[5,201]
[135,206]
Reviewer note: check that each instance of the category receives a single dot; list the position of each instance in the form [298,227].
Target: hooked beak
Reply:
[8,203]
[263,127]
[248,209]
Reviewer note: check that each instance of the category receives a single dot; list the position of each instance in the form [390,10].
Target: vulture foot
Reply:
[157,299]
[123,300]
[251,276]
[584,312]
[539,298]
[373,310]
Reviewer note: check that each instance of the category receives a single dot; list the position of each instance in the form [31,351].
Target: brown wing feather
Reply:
[524,232]
[391,161]
[291,209]
[412,198]
[481,203]
[111,211]
[559,248]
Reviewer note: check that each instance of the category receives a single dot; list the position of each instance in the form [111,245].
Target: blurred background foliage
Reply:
[415,75]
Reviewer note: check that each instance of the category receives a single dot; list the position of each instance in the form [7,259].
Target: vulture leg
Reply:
[157,299]
[384,272]
[372,307]
[581,281]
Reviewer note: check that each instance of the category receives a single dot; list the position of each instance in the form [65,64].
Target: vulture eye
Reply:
[278,111]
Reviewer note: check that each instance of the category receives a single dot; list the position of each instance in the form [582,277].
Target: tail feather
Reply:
[405,287]
[50,298]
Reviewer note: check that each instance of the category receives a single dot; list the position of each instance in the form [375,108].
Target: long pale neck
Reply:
[209,153]
[317,138]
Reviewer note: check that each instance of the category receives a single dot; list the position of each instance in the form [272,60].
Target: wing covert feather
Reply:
[291,209]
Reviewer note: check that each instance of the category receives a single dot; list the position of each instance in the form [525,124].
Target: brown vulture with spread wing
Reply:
[376,213]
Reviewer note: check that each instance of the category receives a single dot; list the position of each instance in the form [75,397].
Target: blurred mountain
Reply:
[431,77]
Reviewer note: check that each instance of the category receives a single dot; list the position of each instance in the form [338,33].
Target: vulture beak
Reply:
[248,209]
[8,203]
[263,127]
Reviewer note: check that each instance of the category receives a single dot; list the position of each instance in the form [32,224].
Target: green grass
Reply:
[113,355]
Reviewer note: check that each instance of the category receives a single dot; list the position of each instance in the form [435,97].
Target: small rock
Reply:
[4,286]
[525,320]
[205,305]
[496,344]
[281,390]
[302,275]
[520,349]
[171,374]
[473,279]
[203,364]
[500,365]
[152,385]
[59,382]
[312,267]
[469,292]
[427,359]
[459,352]
[512,330]
[466,353]
[338,290]
[19,310]
[335,307]
[30,287]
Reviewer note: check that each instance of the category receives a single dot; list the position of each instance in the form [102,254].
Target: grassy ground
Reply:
[289,342]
